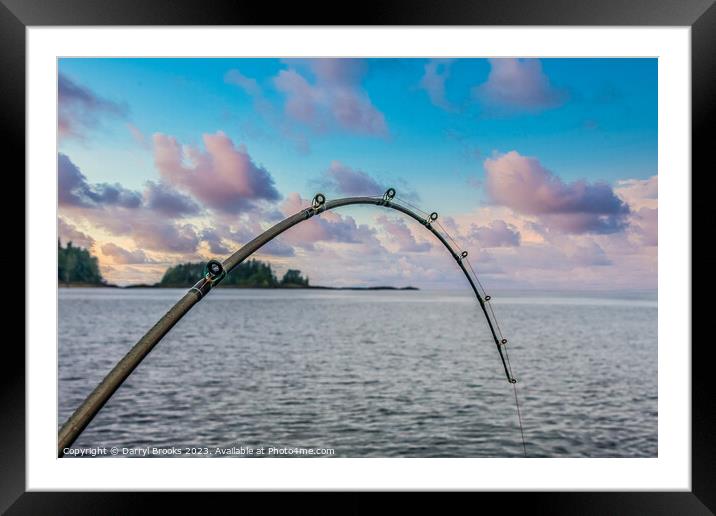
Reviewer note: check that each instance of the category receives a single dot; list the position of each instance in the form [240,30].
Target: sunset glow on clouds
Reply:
[519,84]
[522,184]
[166,161]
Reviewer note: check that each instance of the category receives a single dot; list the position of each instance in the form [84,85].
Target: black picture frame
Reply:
[700,15]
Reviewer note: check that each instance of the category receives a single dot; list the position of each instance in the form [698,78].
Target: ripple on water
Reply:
[363,373]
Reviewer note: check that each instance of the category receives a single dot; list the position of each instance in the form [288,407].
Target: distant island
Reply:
[248,274]
[78,268]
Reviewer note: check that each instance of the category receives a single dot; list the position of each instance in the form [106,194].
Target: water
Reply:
[367,374]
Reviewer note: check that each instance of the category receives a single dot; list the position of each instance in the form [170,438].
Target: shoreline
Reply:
[296,287]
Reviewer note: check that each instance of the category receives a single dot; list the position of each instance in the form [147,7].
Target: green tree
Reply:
[293,278]
[249,274]
[252,273]
[77,265]
[182,275]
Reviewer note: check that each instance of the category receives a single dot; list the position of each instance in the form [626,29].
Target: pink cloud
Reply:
[327,227]
[642,195]
[247,84]
[146,229]
[69,233]
[125,212]
[346,72]
[164,199]
[344,180]
[293,203]
[335,98]
[277,247]
[122,256]
[436,73]
[645,223]
[274,117]
[522,184]
[519,84]
[225,238]
[532,262]
[496,234]
[401,235]
[590,255]
[74,191]
[224,177]
[80,109]
[215,240]
[639,193]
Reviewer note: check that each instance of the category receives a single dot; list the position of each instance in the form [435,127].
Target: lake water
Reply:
[367,374]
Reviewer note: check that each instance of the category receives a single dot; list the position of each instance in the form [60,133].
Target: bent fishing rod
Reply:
[214,272]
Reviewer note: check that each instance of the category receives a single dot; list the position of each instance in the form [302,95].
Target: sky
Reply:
[544,170]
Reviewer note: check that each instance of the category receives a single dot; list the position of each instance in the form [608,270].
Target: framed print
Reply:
[421,254]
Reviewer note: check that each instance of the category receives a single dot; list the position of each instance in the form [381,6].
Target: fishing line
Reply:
[494,317]
[484,292]
[403,201]
[517,402]
[487,299]
[448,235]
[519,418]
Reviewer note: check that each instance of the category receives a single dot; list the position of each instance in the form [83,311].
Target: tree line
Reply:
[250,274]
[76,265]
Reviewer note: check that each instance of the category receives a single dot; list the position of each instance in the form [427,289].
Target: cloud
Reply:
[639,193]
[327,227]
[522,184]
[497,234]
[138,136]
[247,84]
[401,235]
[436,73]
[590,255]
[215,240]
[224,177]
[293,203]
[225,238]
[519,84]
[531,263]
[74,190]
[173,238]
[125,212]
[277,247]
[164,199]
[69,233]
[146,229]
[642,195]
[122,256]
[251,87]
[645,224]
[578,252]
[344,180]
[80,109]
[335,98]
[270,114]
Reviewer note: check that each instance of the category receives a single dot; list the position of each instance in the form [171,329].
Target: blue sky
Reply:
[428,127]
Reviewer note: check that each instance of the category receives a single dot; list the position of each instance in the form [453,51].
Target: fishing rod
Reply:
[214,272]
